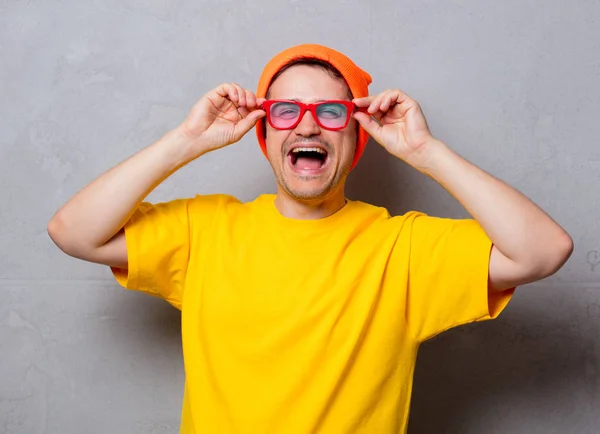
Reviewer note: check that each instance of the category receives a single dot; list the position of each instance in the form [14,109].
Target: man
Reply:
[303,311]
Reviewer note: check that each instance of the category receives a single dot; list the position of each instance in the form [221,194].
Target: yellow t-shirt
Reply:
[305,326]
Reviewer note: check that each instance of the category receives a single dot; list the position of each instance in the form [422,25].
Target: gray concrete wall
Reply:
[513,86]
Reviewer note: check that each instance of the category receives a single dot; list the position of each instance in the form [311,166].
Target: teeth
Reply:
[319,150]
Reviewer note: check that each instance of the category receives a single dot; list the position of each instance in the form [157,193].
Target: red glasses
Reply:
[331,115]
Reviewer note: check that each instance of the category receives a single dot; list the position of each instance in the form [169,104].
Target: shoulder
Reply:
[227,204]
[412,218]
[381,214]
[200,200]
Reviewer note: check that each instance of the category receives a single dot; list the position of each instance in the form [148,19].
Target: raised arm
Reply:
[89,226]
[528,244]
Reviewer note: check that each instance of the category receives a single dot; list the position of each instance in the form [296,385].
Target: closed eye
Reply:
[331,111]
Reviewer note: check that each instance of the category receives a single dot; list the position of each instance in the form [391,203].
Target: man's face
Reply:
[310,175]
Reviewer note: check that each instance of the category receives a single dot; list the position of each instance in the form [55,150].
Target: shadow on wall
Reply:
[383,180]
[536,369]
[146,329]
[380,179]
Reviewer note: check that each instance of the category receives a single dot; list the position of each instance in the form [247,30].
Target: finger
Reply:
[369,124]
[402,96]
[229,91]
[250,99]
[376,103]
[260,101]
[388,101]
[242,95]
[362,106]
[246,124]
[404,107]
[378,115]
[243,111]
[404,101]
[222,90]
[395,103]
[364,101]
[232,93]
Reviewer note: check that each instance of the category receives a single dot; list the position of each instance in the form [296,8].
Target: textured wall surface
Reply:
[513,86]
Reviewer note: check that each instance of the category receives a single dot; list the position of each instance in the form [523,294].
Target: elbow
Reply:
[568,247]
[556,256]
[55,228]
[58,234]
[564,249]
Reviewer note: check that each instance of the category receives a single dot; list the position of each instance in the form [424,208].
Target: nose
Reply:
[307,126]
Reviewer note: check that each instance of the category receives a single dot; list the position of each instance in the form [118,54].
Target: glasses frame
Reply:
[312,108]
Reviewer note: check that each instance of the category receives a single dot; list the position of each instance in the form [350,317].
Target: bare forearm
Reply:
[518,228]
[97,212]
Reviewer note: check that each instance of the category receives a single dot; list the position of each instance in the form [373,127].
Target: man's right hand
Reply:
[221,117]
[89,226]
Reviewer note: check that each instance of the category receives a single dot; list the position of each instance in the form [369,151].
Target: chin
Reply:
[309,190]
[308,184]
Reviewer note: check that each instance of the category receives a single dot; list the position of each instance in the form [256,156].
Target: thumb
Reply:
[369,124]
[247,123]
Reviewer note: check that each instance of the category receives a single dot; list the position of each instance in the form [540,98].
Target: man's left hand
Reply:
[396,122]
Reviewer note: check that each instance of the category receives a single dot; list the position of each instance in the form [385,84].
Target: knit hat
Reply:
[357,80]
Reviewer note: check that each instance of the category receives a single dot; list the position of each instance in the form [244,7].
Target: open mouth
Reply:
[308,158]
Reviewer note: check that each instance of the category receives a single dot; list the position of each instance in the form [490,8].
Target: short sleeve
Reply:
[448,276]
[158,244]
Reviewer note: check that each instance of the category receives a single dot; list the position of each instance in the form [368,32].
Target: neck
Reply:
[294,208]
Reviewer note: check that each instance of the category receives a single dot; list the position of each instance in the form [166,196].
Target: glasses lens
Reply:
[284,114]
[332,115]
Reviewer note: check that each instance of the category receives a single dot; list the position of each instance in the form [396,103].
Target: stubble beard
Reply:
[314,194]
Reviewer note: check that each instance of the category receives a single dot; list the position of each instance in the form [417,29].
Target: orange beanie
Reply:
[357,79]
